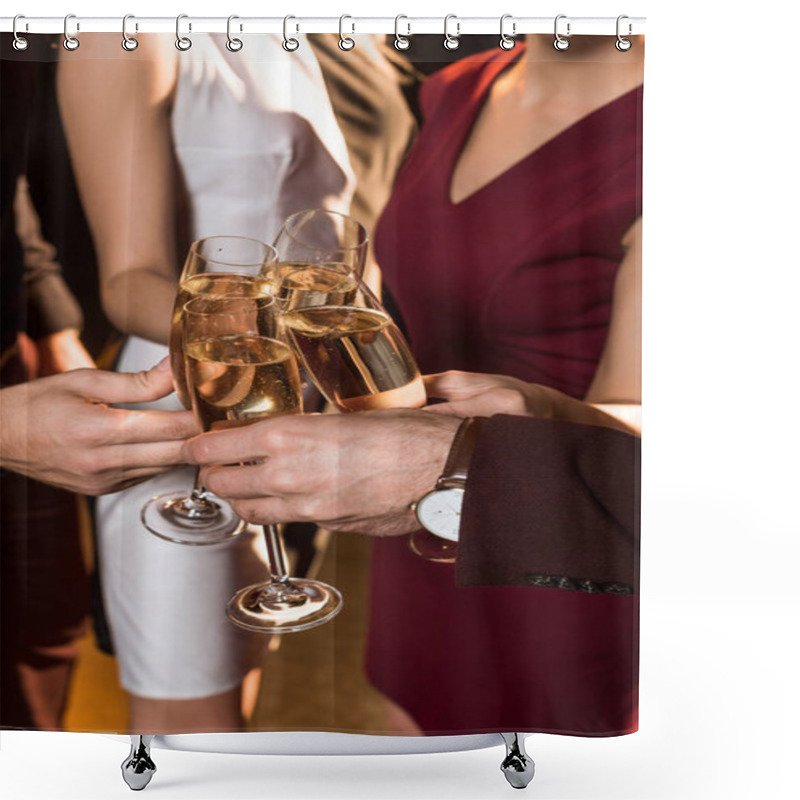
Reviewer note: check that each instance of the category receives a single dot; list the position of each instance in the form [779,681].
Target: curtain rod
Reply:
[462,26]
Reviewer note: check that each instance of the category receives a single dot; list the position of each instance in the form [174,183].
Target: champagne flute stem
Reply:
[197,504]
[275,554]
[197,489]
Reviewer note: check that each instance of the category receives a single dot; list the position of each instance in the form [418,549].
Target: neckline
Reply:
[472,119]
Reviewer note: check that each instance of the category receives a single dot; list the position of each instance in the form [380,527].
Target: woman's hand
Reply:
[472,394]
[62,352]
[61,430]
[358,473]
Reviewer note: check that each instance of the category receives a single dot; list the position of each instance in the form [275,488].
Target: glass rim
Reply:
[359,227]
[269,249]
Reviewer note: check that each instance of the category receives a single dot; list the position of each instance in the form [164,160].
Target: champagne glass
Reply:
[352,350]
[222,265]
[232,266]
[321,253]
[318,236]
[241,369]
[359,360]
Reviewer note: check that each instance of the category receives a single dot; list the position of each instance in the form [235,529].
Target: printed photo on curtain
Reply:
[320,384]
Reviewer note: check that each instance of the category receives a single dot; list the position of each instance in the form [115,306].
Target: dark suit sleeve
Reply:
[50,306]
[551,504]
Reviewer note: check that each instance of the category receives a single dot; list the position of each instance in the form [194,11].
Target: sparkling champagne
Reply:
[299,285]
[356,357]
[241,378]
[211,283]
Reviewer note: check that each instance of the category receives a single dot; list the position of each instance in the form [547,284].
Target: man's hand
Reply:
[61,430]
[353,472]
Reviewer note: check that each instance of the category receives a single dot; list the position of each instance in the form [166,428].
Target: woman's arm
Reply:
[613,399]
[474,394]
[617,385]
[115,109]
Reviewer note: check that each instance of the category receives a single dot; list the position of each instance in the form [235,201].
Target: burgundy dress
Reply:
[515,279]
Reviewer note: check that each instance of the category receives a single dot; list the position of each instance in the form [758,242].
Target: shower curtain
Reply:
[501,192]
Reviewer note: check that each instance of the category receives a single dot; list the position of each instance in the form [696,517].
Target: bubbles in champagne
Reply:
[356,357]
[300,285]
[212,283]
[241,378]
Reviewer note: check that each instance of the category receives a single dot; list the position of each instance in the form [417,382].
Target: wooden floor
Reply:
[311,680]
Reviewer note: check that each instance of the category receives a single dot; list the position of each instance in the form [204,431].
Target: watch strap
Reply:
[458,459]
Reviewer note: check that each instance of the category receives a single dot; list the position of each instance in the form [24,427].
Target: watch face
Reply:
[440,512]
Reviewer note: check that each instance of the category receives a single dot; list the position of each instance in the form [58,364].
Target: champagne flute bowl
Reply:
[319,236]
[240,369]
[216,265]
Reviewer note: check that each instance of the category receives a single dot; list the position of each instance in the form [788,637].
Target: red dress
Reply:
[515,279]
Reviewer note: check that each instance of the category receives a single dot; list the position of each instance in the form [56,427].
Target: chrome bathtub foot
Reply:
[517,766]
[138,768]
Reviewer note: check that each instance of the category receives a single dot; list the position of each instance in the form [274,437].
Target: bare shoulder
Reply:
[101,60]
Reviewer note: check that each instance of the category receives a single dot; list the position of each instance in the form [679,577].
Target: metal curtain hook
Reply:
[452,42]
[70,42]
[623,45]
[233,44]
[182,42]
[20,42]
[128,42]
[507,42]
[345,42]
[290,44]
[401,42]
[560,42]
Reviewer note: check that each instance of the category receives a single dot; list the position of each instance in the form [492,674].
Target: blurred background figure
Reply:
[52,322]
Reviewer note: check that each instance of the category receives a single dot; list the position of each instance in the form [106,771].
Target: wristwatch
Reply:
[439,511]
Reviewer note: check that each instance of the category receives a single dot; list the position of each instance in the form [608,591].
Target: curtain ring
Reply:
[183,43]
[507,42]
[129,43]
[290,44]
[345,42]
[233,44]
[623,45]
[70,42]
[20,43]
[451,42]
[560,42]
[401,42]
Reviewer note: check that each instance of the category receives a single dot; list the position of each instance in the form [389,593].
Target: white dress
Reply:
[256,140]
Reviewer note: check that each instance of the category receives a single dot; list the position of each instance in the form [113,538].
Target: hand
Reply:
[61,430]
[358,473]
[471,394]
[62,352]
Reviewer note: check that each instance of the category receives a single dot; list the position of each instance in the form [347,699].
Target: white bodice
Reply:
[256,137]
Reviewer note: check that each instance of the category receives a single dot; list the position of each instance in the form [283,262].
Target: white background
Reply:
[719,683]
